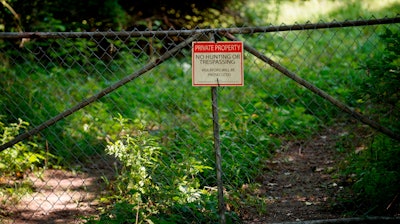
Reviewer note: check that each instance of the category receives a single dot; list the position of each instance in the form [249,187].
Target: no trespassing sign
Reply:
[217,63]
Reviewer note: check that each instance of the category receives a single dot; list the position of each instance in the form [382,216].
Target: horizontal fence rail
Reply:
[241,30]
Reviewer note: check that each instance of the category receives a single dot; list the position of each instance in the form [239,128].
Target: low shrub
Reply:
[23,156]
[152,186]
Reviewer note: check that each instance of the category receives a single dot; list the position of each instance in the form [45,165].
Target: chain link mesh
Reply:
[160,109]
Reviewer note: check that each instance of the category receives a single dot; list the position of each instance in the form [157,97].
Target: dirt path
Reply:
[297,181]
[59,197]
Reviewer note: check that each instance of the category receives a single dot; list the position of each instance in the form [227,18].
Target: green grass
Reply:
[291,11]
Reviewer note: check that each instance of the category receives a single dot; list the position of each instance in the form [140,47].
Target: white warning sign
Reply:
[217,63]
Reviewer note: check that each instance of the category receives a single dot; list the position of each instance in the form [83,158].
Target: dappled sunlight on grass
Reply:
[288,12]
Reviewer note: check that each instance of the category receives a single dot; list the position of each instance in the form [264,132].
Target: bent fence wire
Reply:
[91,119]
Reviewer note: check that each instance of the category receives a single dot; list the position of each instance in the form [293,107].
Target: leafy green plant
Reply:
[147,184]
[22,156]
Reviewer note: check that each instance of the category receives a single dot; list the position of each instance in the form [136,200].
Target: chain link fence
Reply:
[110,121]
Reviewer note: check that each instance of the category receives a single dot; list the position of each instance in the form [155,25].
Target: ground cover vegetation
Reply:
[159,128]
[373,172]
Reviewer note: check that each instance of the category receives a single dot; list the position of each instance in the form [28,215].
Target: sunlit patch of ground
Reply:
[58,196]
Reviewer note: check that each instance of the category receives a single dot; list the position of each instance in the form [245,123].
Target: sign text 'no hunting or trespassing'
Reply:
[217,63]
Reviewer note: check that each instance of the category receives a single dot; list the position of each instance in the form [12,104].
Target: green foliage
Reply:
[22,156]
[148,187]
[375,177]
[375,174]
[139,155]
[380,91]
[58,82]
[203,212]
[90,15]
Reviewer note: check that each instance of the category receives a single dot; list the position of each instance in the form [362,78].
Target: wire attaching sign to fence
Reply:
[217,63]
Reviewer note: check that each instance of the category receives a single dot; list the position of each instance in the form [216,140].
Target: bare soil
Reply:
[59,197]
[298,181]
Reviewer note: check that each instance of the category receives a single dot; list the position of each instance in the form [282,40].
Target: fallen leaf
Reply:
[319,169]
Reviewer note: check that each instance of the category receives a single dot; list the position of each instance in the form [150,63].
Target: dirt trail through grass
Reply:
[298,181]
